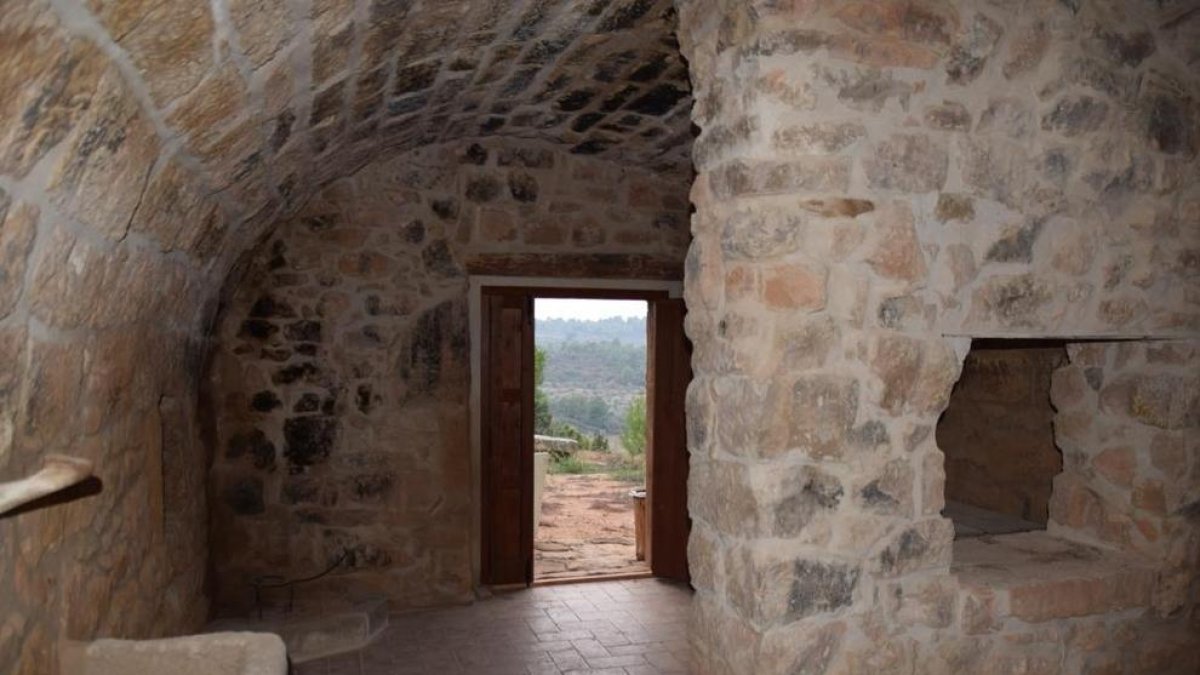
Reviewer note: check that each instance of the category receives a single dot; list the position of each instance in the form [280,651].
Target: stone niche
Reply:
[998,438]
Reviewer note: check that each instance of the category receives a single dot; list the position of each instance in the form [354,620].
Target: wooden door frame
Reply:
[611,289]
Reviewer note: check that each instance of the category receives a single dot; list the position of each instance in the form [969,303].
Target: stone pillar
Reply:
[1127,422]
[816,484]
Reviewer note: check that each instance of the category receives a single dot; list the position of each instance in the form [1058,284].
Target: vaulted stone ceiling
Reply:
[259,101]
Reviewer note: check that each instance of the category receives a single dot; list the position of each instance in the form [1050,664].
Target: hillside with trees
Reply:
[591,371]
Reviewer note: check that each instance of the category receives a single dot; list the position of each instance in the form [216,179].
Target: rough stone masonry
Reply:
[879,182]
[873,184]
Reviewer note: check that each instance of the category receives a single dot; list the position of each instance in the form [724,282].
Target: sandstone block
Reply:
[823,409]
[18,225]
[908,163]
[794,287]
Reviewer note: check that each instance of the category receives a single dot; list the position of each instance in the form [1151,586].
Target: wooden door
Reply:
[667,377]
[507,417]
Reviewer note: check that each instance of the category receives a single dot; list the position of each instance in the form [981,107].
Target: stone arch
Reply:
[145,147]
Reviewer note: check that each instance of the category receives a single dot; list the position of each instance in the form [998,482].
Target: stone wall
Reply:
[997,431]
[341,376]
[872,177]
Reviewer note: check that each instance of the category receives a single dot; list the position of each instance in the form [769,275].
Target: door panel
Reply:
[507,411]
[668,374]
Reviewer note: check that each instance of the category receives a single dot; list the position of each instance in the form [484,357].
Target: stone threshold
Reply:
[1036,576]
[584,578]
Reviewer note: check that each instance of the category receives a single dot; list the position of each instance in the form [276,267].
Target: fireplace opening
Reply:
[998,438]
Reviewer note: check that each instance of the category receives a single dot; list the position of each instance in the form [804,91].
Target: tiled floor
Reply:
[603,628]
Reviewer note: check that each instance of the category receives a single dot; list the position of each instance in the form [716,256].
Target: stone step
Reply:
[316,635]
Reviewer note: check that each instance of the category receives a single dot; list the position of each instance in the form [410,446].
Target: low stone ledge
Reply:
[1037,577]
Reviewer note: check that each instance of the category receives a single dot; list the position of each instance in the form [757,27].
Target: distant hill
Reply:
[593,370]
[631,331]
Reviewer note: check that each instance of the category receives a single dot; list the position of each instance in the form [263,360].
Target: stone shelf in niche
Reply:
[1035,576]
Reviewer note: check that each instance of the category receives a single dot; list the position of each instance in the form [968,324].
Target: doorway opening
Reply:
[997,435]
[583,444]
[589,438]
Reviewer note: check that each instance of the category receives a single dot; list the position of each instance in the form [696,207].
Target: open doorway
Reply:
[589,438]
[559,505]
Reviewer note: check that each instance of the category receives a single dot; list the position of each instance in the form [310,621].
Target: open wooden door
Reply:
[669,372]
[507,438]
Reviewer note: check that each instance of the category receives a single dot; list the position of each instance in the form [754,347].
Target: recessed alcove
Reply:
[997,436]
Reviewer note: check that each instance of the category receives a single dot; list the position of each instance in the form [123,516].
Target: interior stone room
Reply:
[941,268]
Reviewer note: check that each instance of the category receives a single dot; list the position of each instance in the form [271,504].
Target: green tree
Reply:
[542,419]
[633,436]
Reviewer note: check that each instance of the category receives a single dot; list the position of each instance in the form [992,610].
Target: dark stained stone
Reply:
[439,260]
[870,435]
[971,52]
[306,350]
[1018,246]
[303,331]
[278,355]
[659,100]
[265,401]
[522,186]
[414,232]
[1128,50]
[371,487]
[529,158]
[308,402]
[267,307]
[1015,300]
[519,82]
[575,100]
[1074,115]
[283,129]
[625,15]
[911,546]
[1168,125]
[439,332]
[475,154]
[493,123]
[618,99]
[415,78]
[294,372]
[481,189]
[364,398]
[593,146]
[258,329]
[446,209]
[277,261]
[819,587]
[586,121]
[873,496]
[301,490]
[543,51]
[814,492]
[245,496]
[321,223]
[308,440]
[609,69]
[327,103]
[650,70]
[255,445]
[408,104]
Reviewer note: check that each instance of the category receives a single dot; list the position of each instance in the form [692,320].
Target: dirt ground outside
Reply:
[586,528]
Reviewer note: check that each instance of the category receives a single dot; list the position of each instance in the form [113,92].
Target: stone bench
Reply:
[208,654]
